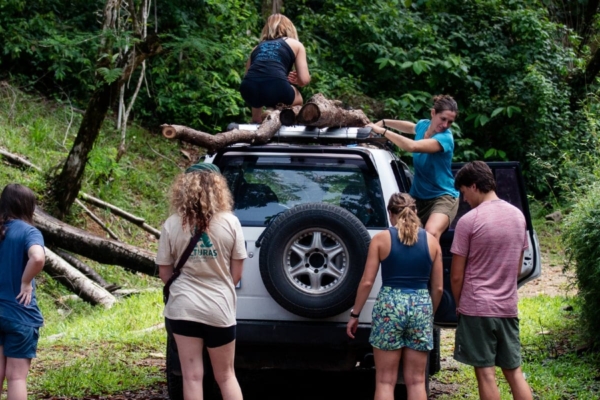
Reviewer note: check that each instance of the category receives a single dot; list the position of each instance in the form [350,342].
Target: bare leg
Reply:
[221,359]
[17,370]
[192,367]
[486,381]
[414,365]
[518,385]
[257,115]
[437,224]
[386,372]
[298,101]
[2,368]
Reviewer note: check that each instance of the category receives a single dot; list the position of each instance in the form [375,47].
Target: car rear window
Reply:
[265,185]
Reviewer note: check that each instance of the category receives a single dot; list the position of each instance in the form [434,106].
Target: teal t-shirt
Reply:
[432,171]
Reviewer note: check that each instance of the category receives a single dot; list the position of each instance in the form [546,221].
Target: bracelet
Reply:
[352,315]
[383,134]
[384,125]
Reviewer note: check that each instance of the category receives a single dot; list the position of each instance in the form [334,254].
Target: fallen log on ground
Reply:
[322,112]
[106,251]
[82,267]
[77,282]
[211,143]
[139,221]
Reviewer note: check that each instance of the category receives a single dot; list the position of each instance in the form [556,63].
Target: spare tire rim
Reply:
[316,261]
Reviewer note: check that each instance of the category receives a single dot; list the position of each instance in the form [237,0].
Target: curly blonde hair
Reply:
[277,26]
[408,222]
[197,196]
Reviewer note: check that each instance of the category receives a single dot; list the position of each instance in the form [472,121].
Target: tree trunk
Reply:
[322,112]
[58,234]
[212,143]
[76,282]
[82,267]
[67,184]
[288,115]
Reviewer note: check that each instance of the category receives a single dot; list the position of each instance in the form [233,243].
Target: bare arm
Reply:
[302,76]
[366,284]
[521,264]
[165,272]
[35,264]
[402,126]
[437,275]
[406,144]
[236,268]
[457,276]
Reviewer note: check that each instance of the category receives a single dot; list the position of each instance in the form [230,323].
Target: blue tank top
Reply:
[407,267]
[271,59]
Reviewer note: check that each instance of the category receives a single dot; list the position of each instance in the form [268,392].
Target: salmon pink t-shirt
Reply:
[492,237]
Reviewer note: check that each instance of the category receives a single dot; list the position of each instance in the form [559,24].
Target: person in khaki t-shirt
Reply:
[202,300]
[487,258]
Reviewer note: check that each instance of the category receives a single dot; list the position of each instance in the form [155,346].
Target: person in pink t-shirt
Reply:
[487,255]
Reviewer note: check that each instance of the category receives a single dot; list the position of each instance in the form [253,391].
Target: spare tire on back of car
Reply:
[312,258]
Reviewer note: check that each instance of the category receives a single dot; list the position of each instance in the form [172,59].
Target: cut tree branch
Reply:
[97,220]
[83,268]
[139,221]
[106,251]
[77,282]
[322,112]
[211,143]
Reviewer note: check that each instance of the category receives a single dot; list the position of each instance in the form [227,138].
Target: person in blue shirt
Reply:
[22,257]
[433,149]
[269,79]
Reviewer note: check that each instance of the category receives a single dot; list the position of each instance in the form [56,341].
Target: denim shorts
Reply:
[18,340]
[402,318]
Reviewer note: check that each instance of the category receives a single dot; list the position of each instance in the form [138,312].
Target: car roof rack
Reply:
[311,134]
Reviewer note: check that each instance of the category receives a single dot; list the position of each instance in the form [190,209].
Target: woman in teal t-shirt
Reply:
[432,148]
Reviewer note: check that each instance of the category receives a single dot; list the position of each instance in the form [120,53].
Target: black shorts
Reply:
[213,336]
[268,92]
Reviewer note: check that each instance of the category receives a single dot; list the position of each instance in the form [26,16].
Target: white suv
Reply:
[309,203]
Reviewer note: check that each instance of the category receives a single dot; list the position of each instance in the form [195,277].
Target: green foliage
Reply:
[506,62]
[581,237]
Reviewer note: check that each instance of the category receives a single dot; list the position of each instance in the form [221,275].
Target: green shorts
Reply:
[487,342]
[445,204]
[402,318]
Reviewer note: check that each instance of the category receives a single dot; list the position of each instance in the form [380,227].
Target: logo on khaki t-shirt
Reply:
[204,249]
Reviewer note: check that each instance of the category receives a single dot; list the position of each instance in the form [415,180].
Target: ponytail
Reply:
[408,222]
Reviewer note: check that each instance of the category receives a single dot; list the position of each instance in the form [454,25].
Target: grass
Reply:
[87,351]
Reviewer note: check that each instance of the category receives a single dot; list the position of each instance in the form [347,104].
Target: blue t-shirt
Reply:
[433,171]
[20,236]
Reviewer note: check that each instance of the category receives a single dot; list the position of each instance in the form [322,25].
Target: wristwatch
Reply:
[352,315]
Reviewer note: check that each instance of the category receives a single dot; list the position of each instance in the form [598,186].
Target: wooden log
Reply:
[139,221]
[106,251]
[97,220]
[322,112]
[77,282]
[212,143]
[82,267]
[288,115]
